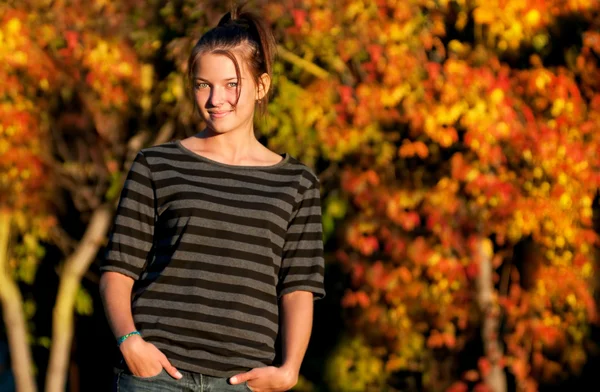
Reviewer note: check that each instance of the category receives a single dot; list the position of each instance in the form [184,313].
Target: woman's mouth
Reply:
[219,114]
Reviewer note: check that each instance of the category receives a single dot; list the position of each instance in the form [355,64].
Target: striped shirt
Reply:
[212,247]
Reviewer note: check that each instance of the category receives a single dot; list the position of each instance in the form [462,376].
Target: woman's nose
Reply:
[216,96]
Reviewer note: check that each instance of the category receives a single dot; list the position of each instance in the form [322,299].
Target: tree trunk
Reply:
[14,318]
[495,379]
[62,320]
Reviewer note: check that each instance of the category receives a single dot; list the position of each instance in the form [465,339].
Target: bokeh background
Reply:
[458,148]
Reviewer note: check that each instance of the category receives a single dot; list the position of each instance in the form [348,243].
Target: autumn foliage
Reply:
[452,122]
[25,188]
[445,133]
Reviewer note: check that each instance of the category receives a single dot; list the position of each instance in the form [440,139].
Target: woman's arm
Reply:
[297,312]
[115,291]
[143,359]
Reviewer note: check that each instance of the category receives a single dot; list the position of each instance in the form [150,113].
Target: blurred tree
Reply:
[25,183]
[71,75]
[461,130]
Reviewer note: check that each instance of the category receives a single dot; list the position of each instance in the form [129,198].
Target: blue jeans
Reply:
[163,382]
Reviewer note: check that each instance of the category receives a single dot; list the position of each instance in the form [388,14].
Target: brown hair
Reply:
[238,28]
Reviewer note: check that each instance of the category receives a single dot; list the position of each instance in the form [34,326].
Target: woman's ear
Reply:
[264,83]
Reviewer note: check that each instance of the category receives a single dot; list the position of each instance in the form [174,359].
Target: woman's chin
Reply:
[218,128]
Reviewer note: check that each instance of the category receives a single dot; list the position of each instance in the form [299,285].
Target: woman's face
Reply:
[216,90]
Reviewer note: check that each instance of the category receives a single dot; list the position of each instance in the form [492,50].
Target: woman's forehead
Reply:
[220,65]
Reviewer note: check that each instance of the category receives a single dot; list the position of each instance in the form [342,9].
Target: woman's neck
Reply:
[233,145]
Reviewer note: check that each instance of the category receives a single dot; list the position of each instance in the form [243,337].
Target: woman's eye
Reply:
[201,85]
[232,84]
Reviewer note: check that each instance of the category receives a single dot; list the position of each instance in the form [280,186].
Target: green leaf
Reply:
[44,341]
[115,186]
[83,303]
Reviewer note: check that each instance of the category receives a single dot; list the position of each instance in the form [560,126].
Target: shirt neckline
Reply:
[285,158]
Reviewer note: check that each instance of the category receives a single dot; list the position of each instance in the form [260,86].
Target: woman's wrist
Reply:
[131,344]
[123,338]
[291,371]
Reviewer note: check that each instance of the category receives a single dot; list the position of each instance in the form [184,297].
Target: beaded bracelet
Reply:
[122,338]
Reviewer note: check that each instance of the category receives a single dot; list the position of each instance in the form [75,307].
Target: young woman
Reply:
[216,246]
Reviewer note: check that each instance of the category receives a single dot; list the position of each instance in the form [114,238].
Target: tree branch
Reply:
[298,61]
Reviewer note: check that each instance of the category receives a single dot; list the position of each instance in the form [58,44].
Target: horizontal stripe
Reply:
[126,240]
[140,185]
[228,218]
[201,365]
[207,347]
[304,236]
[208,314]
[168,186]
[314,285]
[214,335]
[128,250]
[120,231]
[176,154]
[279,199]
[207,319]
[208,171]
[192,198]
[161,165]
[207,292]
[208,250]
[217,304]
[125,268]
[170,261]
[307,220]
[231,361]
[138,213]
[295,228]
[174,225]
[302,262]
[187,267]
[303,244]
[318,292]
[221,277]
[303,253]
[302,272]
[217,286]
[127,222]
[211,232]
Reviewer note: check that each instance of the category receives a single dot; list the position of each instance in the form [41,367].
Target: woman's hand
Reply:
[144,359]
[267,379]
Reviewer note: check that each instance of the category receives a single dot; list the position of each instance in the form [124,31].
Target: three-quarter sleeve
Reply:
[131,237]
[302,266]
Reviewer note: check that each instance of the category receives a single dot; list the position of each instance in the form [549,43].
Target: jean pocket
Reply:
[150,378]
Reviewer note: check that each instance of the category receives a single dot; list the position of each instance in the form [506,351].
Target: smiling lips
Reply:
[219,114]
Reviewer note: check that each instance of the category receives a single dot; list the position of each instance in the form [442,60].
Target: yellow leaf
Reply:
[497,96]
[483,16]
[565,201]
[147,77]
[13,26]
[20,57]
[487,248]
[533,17]
[125,69]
